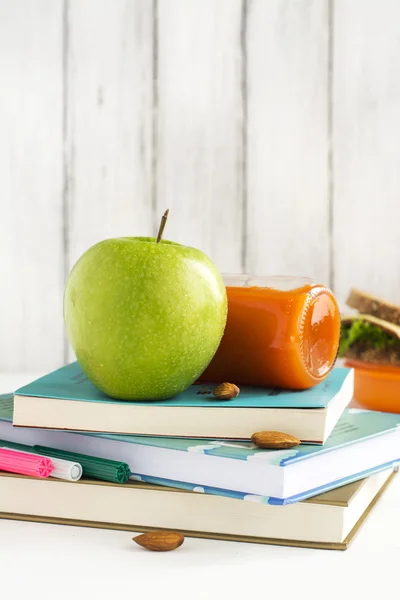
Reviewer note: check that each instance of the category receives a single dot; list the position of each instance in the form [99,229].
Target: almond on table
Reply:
[160,541]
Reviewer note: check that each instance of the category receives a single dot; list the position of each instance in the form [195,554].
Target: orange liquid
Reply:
[274,338]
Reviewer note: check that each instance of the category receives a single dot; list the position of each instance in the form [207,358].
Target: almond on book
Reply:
[274,439]
[226,391]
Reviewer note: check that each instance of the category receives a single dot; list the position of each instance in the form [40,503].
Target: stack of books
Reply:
[192,466]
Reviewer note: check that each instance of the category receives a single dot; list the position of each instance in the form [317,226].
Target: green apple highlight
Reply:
[144,318]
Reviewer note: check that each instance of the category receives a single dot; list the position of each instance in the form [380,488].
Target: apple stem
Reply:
[162,226]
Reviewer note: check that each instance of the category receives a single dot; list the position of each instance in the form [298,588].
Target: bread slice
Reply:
[371,305]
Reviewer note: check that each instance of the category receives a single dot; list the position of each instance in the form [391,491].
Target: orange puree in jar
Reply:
[281,332]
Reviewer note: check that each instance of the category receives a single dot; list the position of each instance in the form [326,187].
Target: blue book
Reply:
[65,399]
[362,443]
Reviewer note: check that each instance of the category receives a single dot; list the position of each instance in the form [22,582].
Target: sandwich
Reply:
[372,335]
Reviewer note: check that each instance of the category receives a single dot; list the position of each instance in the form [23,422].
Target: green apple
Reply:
[144,318]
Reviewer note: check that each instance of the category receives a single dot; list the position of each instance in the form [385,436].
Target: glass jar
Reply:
[281,332]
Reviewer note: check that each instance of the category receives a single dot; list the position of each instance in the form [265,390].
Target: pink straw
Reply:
[24,463]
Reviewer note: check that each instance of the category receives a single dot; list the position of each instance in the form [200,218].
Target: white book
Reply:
[65,399]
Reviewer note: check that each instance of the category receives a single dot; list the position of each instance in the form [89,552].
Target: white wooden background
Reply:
[270,128]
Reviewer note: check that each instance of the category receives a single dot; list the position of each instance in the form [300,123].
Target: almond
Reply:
[160,541]
[274,439]
[226,391]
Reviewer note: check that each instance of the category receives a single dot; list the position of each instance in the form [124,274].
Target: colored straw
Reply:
[23,463]
[97,468]
[62,469]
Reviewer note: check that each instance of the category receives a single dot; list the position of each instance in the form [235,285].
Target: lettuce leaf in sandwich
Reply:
[369,339]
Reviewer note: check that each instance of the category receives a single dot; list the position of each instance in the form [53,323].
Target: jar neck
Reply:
[277,282]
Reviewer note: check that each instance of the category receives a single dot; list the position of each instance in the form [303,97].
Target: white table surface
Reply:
[56,561]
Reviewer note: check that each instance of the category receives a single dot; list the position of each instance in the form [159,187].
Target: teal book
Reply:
[66,399]
[361,444]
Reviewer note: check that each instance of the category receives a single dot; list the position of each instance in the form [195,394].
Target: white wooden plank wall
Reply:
[200,124]
[109,120]
[269,128]
[366,146]
[31,184]
[287,142]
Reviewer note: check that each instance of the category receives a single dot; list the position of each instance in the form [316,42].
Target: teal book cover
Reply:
[6,407]
[70,383]
[355,425]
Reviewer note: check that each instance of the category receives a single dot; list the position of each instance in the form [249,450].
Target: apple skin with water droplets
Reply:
[144,318]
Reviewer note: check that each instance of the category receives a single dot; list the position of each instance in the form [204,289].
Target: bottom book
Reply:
[330,520]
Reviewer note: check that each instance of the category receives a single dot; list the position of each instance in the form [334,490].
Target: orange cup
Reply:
[281,332]
[376,387]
